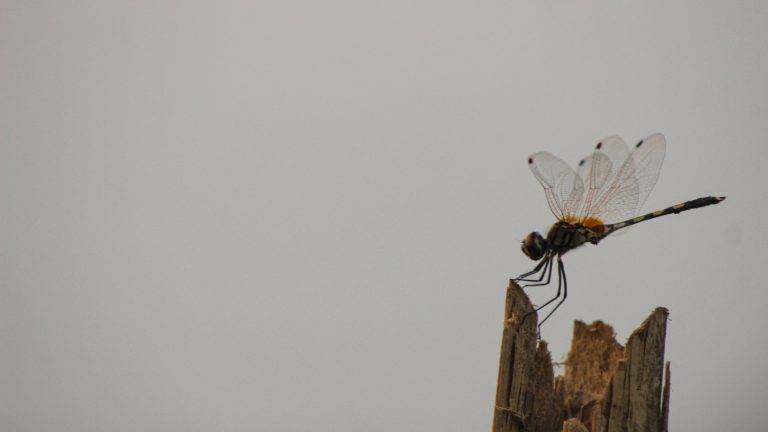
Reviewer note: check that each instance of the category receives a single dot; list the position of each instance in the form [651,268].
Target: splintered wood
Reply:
[606,387]
[517,381]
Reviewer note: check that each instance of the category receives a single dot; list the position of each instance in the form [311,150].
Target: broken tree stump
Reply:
[514,389]
[606,387]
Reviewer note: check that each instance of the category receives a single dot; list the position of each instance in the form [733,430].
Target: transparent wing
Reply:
[563,188]
[621,196]
[648,156]
[598,170]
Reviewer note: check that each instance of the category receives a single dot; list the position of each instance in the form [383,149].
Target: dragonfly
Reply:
[601,196]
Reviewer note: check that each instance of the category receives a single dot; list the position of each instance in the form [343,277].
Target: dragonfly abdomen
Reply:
[688,205]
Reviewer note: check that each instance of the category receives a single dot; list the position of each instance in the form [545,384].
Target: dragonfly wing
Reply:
[623,195]
[649,156]
[598,170]
[562,186]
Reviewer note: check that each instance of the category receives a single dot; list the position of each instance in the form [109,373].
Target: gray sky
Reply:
[278,216]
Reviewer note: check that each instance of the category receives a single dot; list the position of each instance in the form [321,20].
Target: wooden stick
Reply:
[514,403]
[636,388]
[606,387]
[665,400]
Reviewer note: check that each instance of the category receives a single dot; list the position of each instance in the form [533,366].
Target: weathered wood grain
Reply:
[514,401]
[606,387]
[635,402]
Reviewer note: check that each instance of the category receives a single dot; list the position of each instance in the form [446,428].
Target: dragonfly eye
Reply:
[534,246]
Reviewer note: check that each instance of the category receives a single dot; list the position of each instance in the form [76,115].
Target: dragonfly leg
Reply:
[550,265]
[561,277]
[547,270]
[545,262]
[560,284]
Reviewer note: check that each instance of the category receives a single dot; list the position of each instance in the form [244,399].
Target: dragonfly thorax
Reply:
[564,236]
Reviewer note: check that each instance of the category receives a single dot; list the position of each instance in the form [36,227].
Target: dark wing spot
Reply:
[639,144]
[581,162]
[600,144]
[530,160]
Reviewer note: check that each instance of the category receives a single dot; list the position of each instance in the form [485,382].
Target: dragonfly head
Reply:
[534,246]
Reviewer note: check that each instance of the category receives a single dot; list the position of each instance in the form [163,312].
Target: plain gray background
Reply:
[283,216]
